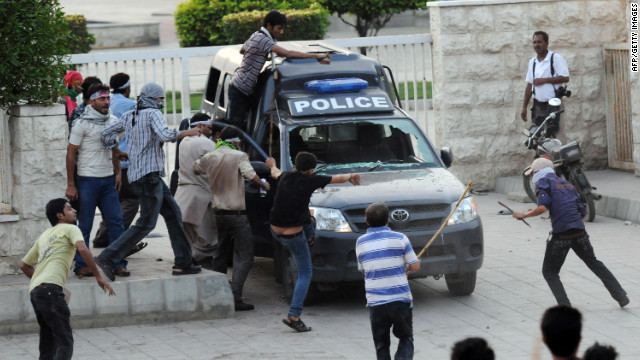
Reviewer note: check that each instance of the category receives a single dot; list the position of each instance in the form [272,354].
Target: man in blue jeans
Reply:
[291,221]
[146,131]
[98,174]
[386,257]
[566,211]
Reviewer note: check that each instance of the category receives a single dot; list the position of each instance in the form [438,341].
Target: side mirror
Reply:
[555,102]
[447,156]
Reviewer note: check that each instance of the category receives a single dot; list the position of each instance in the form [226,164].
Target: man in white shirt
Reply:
[98,174]
[194,196]
[545,74]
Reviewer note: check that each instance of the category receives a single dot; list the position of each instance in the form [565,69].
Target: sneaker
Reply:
[106,269]
[100,245]
[624,301]
[240,305]
[193,269]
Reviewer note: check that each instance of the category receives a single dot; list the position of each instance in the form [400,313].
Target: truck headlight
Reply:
[330,220]
[465,212]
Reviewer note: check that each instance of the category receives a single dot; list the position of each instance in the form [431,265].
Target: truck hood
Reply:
[433,185]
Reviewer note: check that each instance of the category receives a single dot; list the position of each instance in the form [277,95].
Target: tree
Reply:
[34,37]
[371,15]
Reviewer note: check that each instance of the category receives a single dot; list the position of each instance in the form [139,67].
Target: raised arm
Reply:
[352,178]
[324,58]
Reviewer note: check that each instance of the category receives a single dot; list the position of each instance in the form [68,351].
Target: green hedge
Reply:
[309,24]
[82,39]
[34,37]
[199,22]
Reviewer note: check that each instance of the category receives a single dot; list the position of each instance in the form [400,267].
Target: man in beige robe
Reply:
[194,193]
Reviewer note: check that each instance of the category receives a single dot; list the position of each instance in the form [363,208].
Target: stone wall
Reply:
[38,139]
[480,55]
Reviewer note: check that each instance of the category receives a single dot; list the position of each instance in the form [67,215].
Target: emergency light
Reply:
[336,85]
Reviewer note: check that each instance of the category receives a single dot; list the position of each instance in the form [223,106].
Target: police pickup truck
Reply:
[346,114]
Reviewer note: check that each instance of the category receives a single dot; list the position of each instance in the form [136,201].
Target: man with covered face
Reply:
[146,131]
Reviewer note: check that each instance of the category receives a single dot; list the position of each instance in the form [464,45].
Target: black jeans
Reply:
[555,255]
[540,111]
[234,237]
[52,313]
[399,315]
[155,200]
[239,105]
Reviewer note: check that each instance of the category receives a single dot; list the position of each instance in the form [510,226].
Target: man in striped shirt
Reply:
[146,131]
[385,257]
[256,51]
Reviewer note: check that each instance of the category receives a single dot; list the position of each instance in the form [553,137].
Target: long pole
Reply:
[446,221]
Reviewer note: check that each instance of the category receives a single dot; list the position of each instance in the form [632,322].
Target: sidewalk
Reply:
[620,191]
[505,308]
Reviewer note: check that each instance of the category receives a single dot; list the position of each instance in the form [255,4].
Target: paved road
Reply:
[505,308]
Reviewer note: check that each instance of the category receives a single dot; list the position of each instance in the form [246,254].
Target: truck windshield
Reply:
[375,145]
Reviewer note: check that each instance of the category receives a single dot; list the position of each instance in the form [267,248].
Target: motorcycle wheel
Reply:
[529,187]
[591,207]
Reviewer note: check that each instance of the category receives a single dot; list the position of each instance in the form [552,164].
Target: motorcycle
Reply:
[567,162]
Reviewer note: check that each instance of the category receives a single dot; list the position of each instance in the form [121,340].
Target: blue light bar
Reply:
[336,85]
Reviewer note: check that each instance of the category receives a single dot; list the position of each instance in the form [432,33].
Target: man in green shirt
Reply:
[53,253]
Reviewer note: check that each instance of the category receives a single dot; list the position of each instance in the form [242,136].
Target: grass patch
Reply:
[411,94]
[196,100]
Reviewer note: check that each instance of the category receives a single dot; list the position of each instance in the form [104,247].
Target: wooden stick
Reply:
[523,220]
[444,224]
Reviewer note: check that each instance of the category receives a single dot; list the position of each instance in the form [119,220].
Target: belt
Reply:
[49,286]
[569,235]
[231,212]
[290,236]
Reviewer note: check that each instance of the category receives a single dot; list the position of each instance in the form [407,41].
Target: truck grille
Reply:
[421,217]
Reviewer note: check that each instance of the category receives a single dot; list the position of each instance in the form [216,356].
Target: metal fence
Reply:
[183,72]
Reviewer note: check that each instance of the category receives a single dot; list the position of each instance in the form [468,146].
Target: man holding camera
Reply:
[545,74]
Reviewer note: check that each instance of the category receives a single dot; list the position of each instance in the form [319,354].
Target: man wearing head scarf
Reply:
[146,131]
[98,173]
[193,194]
[72,88]
[79,110]
[120,85]
[566,211]
[226,169]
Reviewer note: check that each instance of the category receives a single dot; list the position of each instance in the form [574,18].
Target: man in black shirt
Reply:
[291,221]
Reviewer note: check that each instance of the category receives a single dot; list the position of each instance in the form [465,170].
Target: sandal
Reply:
[296,325]
[139,246]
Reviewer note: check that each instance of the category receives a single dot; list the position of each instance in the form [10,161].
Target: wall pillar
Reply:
[38,140]
[480,56]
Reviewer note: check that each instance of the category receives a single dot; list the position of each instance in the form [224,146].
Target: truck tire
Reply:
[529,187]
[591,207]
[290,277]
[461,284]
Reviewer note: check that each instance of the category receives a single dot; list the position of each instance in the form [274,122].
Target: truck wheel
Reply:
[529,187]
[290,277]
[461,284]
[591,207]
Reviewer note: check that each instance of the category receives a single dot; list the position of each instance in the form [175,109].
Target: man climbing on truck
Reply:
[256,51]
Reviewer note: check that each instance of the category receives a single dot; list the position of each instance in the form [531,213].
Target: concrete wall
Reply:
[38,140]
[480,55]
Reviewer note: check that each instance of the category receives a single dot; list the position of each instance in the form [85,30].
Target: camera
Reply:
[562,91]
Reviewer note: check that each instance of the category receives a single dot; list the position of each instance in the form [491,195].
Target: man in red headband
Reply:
[72,87]
[98,174]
